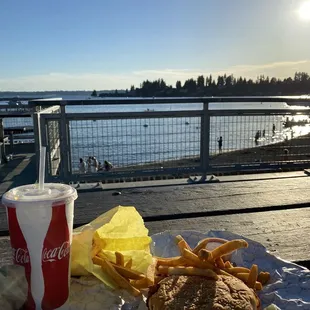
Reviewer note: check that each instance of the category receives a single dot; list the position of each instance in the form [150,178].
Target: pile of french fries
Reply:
[192,262]
[123,275]
[202,262]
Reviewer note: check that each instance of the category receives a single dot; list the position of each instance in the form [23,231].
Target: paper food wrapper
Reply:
[120,229]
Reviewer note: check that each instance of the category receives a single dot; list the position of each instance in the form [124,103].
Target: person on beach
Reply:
[95,164]
[264,132]
[89,164]
[82,166]
[256,137]
[220,143]
[273,129]
[107,165]
[100,167]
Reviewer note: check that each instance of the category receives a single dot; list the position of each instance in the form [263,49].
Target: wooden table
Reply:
[274,212]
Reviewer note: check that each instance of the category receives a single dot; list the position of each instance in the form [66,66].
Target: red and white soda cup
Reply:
[40,224]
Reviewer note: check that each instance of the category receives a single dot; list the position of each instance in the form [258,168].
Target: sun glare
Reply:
[304,11]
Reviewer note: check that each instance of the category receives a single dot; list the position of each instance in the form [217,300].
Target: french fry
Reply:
[222,272]
[172,261]
[101,255]
[205,255]
[128,273]
[193,260]
[162,270]
[129,264]
[203,243]
[263,277]
[235,270]
[202,262]
[179,238]
[228,248]
[182,245]
[252,276]
[220,263]
[98,260]
[119,259]
[95,250]
[242,276]
[192,271]
[150,273]
[258,286]
[139,284]
[121,282]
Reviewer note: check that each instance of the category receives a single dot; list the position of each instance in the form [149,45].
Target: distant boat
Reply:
[149,110]
[186,123]
[145,125]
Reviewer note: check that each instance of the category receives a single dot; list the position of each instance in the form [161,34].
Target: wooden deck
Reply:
[274,211]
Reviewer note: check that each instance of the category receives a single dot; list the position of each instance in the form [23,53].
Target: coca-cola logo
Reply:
[21,256]
[51,255]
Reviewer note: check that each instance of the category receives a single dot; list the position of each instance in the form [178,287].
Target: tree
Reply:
[162,84]
[220,81]
[227,85]
[94,93]
[190,85]
[229,80]
[132,88]
[200,81]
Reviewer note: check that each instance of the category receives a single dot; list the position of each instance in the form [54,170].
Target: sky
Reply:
[101,44]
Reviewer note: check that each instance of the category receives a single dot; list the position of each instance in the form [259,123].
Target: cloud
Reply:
[89,81]
[276,69]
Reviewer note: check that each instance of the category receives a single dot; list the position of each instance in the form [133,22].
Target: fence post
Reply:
[205,141]
[11,143]
[64,150]
[2,145]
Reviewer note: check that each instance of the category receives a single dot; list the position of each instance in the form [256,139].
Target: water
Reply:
[130,142]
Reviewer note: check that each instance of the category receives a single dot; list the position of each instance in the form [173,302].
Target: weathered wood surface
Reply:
[251,207]
[193,200]
[284,233]
[175,200]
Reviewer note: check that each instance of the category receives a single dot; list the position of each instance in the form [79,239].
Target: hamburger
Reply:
[194,292]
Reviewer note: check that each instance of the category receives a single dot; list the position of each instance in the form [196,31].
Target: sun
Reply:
[304,11]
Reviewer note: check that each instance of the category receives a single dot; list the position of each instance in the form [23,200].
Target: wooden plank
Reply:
[171,200]
[192,200]
[284,233]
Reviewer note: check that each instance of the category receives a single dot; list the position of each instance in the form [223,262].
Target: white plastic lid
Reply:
[53,193]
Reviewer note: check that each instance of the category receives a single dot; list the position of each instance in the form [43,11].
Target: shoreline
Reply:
[296,149]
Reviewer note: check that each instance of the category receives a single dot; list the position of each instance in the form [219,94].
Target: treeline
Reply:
[224,85]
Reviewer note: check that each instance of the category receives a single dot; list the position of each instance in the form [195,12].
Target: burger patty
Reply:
[193,292]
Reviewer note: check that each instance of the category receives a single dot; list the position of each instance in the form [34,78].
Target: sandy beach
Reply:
[293,150]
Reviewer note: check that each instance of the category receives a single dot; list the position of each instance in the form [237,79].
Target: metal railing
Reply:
[141,140]
[15,129]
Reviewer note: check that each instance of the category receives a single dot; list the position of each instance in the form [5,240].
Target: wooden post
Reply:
[2,146]
[1,130]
